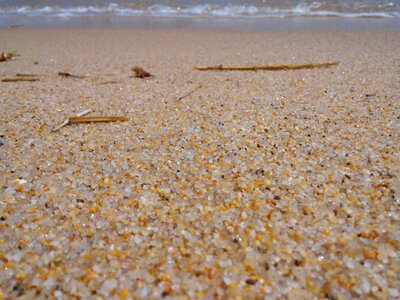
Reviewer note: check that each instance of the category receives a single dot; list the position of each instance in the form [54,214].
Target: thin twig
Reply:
[65,74]
[18,79]
[26,75]
[190,92]
[267,67]
[66,122]
[96,119]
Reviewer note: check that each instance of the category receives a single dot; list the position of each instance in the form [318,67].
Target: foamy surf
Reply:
[207,10]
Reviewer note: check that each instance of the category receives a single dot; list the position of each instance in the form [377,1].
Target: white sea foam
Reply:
[206,10]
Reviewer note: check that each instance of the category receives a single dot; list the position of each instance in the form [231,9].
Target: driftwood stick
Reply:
[267,67]
[190,92]
[66,122]
[96,119]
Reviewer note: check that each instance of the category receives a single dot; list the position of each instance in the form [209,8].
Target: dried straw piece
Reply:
[267,67]
[111,82]
[96,119]
[141,73]
[190,92]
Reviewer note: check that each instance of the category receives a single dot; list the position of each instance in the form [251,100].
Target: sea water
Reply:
[240,14]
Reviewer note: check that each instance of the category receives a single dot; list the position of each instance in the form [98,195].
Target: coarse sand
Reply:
[276,185]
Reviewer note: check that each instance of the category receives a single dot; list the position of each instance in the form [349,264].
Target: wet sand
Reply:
[258,184]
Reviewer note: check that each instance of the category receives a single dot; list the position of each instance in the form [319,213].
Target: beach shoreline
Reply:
[233,184]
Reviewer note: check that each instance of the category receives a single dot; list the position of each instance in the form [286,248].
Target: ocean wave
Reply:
[203,10]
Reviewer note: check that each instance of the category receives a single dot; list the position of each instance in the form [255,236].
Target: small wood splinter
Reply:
[267,67]
[66,122]
[190,92]
[96,119]
[65,74]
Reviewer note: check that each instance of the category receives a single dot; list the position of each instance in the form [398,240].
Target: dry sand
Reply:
[258,184]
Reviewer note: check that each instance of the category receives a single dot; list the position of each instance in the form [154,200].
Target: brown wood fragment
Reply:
[267,67]
[96,119]
[65,74]
[18,79]
[140,73]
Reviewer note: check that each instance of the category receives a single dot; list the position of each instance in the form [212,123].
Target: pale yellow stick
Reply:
[96,119]
[266,67]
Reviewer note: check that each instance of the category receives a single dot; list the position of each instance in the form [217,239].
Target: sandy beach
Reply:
[276,185]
